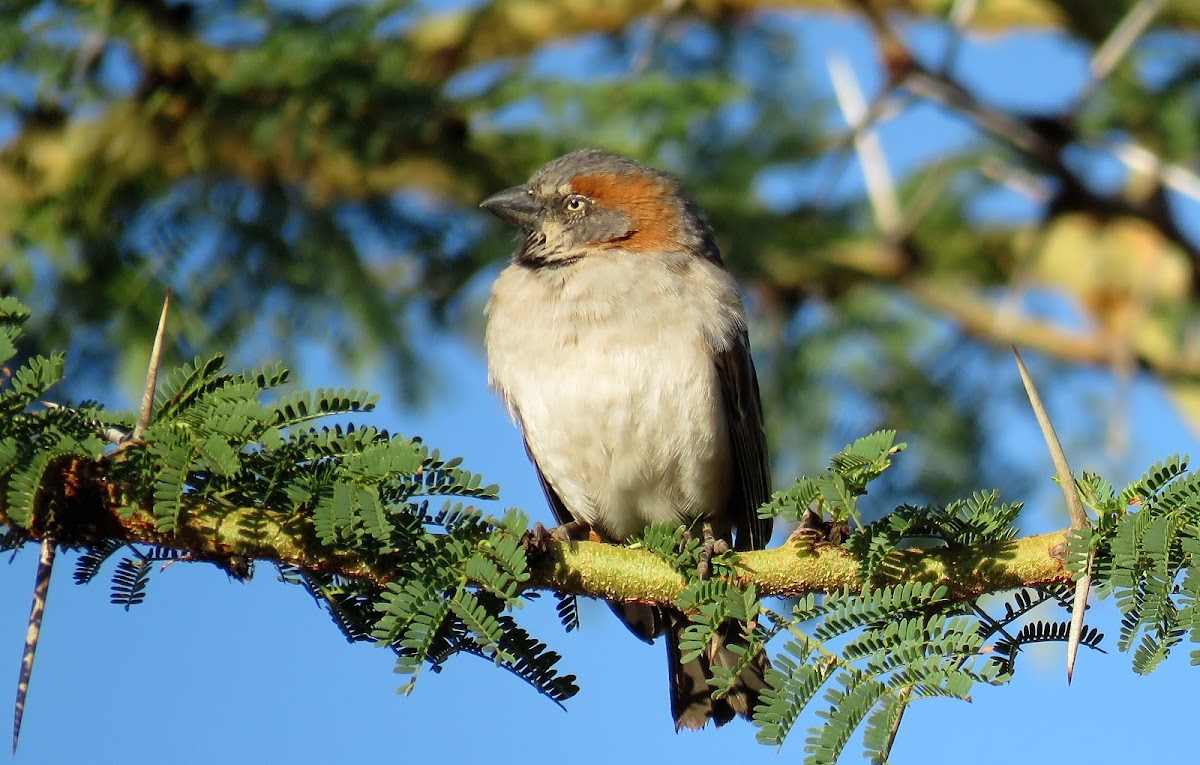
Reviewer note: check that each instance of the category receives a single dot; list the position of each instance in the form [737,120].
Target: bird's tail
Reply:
[692,704]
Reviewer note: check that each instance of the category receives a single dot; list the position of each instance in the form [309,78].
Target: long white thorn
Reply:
[147,407]
[1079,519]
[41,587]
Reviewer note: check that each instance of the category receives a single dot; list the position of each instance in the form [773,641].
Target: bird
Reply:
[617,340]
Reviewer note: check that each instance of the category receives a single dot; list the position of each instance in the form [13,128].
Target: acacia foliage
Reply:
[434,582]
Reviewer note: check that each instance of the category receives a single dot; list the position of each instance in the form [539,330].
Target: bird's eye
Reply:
[575,203]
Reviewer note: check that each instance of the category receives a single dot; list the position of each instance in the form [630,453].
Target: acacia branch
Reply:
[515,27]
[1044,140]
[88,509]
[970,308]
[796,568]
[166,132]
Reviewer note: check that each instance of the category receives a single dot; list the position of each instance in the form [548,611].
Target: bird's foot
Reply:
[813,529]
[538,539]
[838,533]
[709,547]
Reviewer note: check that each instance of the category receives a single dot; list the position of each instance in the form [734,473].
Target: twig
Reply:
[951,94]
[1175,177]
[1105,59]
[655,25]
[880,188]
[1016,178]
[1045,146]
[108,433]
[922,201]
[902,699]
[882,108]
[961,14]
[1121,39]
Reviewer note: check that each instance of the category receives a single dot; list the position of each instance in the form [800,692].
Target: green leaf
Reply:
[374,516]
[23,489]
[171,482]
[220,456]
[30,382]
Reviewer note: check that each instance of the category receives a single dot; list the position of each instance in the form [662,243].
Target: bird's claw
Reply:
[537,540]
[709,547]
[813,529]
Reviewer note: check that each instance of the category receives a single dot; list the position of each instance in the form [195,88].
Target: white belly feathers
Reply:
[616,388]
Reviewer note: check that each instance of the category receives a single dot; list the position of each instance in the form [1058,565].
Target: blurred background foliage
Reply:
[308,171]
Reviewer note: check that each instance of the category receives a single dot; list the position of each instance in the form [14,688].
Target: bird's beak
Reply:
[515,206]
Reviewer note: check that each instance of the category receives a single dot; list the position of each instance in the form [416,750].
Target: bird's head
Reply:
[592,201]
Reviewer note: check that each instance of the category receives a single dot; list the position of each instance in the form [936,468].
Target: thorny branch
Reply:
[219,534]
[1044,139]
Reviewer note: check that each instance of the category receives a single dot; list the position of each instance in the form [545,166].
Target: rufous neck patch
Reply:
[652,208]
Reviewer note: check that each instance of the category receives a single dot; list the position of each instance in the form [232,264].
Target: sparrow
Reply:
[617,340]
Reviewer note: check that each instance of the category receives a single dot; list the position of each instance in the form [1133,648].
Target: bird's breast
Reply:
[615,387]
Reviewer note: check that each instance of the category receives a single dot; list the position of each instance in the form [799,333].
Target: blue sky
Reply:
[211,670]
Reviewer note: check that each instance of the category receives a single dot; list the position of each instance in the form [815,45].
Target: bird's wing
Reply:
[561,513]
[751,468]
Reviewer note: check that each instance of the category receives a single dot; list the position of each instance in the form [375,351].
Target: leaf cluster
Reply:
[867,656]
[857,659]
[219,449]
[1145,554]
[440,576]
[836,491]
[876,650]
[31,438]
